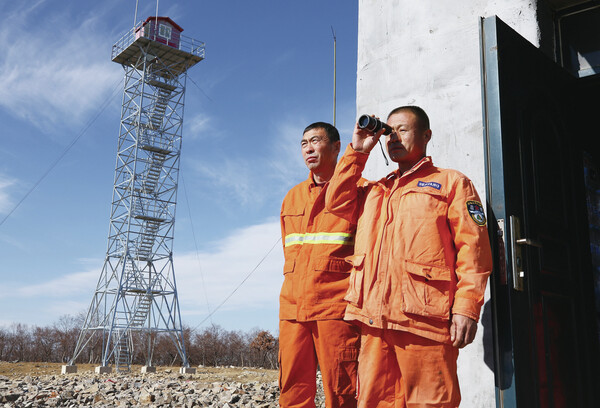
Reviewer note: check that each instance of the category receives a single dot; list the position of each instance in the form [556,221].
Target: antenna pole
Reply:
[135,15]
[156,22]
[334,72]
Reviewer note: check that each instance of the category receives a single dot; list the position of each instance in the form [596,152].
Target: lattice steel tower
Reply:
[136,292]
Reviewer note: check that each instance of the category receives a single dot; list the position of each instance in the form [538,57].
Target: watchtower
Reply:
[136,292]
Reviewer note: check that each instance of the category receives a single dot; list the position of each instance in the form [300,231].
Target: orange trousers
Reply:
[400,369]
[334,345]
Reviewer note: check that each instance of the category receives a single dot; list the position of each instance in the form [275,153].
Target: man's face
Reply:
[318,152]
[406,144]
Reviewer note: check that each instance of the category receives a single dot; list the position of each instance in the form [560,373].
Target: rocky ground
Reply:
[42,385]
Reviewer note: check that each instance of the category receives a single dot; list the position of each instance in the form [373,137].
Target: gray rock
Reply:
[160,390]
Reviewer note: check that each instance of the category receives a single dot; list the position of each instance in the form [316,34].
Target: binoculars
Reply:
[373,124]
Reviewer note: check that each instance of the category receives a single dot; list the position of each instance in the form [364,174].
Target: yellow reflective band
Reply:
[338,238]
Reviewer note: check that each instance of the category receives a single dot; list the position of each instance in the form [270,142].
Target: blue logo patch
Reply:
[475,210]
[433,184]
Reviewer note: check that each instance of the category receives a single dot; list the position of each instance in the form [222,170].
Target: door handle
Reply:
[516,244]
[530,242]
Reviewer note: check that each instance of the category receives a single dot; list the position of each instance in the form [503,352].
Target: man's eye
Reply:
[315,140]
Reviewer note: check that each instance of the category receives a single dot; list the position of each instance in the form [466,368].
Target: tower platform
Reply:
[136,43]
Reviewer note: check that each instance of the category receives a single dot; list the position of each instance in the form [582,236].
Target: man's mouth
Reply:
[395,146]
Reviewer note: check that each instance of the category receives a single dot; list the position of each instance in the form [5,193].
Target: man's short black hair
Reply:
[417,111]
[332,132]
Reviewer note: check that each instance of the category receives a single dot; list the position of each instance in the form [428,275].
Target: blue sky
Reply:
[268,73]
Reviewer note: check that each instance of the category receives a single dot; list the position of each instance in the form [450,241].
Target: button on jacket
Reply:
[422,250]
[316,244]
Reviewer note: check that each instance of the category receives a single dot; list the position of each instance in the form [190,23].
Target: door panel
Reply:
[546,346]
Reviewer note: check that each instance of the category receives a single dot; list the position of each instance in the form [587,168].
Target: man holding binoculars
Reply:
[420,265]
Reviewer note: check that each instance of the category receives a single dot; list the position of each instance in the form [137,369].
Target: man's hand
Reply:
[363,140]
[462,330]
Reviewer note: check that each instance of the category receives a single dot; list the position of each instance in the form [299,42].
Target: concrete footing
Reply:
[68,369]
[103,370]
[148,369]
[187,370]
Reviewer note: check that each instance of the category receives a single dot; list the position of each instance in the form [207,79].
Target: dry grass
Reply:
[205,374]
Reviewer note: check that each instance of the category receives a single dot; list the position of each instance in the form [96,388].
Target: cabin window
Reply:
[164,31]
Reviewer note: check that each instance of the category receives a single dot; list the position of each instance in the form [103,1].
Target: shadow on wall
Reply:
[488,336]
[502,377]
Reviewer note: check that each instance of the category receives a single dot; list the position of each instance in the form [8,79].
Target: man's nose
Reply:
[393,136]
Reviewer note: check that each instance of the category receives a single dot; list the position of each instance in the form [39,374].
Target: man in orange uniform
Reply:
[421,263]
[311,326]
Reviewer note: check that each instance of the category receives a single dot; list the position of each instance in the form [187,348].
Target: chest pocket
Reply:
[292,223]
[292,215]
[422,202]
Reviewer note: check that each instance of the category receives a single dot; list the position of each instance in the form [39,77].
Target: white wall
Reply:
[426,53]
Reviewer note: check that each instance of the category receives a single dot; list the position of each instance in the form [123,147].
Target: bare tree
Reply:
[212,346]
[4,340]
[44,345]
[66,331]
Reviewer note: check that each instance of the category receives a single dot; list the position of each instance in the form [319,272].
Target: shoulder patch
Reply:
[433,184]
[476,212]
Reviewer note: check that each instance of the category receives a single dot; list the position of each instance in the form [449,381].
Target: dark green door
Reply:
[546,340]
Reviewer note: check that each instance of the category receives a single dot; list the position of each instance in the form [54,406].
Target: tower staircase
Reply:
[122,351]
[160,108]
[142,311]
[163,96]
[147,238]
[156,161]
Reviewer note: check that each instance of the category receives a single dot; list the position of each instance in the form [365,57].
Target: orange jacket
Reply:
[422,250]
[315,243]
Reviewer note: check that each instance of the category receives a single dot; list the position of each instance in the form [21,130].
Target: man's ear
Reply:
[427,135]
[337,146]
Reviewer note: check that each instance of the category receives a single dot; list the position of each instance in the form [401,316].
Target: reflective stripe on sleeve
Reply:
[339,238]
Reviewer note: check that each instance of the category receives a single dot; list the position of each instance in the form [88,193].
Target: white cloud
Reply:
[53,72]
[287,161]
[211,276]
[6,202]
[65,286]
[242,179]
[206,277]
[256,180]
[198,127]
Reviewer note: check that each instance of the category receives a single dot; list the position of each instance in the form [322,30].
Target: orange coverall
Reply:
[311,326]
[422,253]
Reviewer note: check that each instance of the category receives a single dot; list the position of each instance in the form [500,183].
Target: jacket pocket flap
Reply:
[288,266]
[332,265]
[356,260]
[292,211]
[424,190]
[429,272]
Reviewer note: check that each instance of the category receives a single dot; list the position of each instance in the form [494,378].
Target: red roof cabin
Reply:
[161,29]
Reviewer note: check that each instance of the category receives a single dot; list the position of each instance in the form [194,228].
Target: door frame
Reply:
[502,282]
[496,210]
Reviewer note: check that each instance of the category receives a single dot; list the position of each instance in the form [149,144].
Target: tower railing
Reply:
[186,44]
